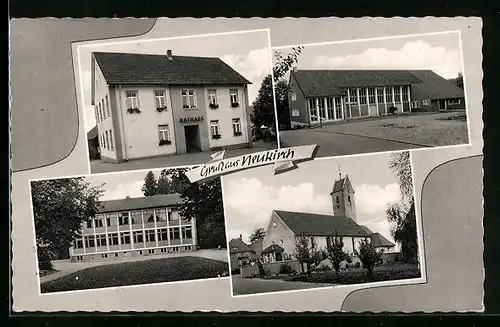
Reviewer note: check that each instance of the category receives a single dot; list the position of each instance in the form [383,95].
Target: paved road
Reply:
[97,166]
[337,144]
[245,286]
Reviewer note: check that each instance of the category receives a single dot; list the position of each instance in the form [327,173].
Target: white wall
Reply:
[101,91]
[225,115]
[141,129]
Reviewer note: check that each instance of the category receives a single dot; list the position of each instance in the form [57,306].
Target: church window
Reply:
[349,198]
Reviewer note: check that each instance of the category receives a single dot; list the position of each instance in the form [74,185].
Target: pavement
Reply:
[187,159]
[66,267]
[245,286]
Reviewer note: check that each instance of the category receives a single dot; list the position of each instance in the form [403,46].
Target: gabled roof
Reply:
[310,224]
[435,86]
[145,202]
[338,185]
[152,69]
[366,229]
[316,83]
[377,240]
[92,133]
[236,245]
[273,248]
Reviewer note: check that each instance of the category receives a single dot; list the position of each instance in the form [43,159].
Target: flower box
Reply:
[213,105]
[165,142]
[216,137]
[133,110]
[238,133]
[235,105]
[185,106]
[160,109]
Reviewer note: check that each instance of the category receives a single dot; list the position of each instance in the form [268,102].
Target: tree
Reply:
[257,234]
[306,251]
[368,256]
[335,251]
[264,112]
[458,81]
[60,206]
[401,215]
[201,201]
[150,186]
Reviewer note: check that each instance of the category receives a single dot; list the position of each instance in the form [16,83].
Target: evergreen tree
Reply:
[150,186]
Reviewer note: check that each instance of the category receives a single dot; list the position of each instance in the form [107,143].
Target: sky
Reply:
[120,185]
[440,53]
[251,195]
[248,53]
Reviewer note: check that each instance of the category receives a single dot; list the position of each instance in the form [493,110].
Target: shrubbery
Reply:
[286,269]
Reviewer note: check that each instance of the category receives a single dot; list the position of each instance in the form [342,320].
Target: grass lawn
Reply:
[358,275]
[138,272]
[449,128]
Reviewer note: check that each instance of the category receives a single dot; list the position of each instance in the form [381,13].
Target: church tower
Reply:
[342,196]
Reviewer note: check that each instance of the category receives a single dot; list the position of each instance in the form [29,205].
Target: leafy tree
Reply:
[306,251]
[401,215]
[60,206]
[459,80]
[150,186]
[335,251]
[202,201]
[368,256]
[257,234]
[264,113]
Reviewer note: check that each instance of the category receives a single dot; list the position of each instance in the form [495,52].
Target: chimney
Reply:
[169,54]
[294,69]
[240,237]
[127,197]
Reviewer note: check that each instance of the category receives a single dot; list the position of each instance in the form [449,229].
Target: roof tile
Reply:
[145,202]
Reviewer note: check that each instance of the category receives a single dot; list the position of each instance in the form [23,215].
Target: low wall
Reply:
[271,268]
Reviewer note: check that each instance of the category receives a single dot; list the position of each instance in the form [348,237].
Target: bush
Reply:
[357,264]
[323,267]
[45,256]
[286,269]
[392,110]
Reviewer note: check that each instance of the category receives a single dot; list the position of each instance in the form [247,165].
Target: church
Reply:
[285,226]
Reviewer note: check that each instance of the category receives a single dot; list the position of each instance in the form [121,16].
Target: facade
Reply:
[134,227]
[285,226]
[318,96]
[240,253]
[156,105]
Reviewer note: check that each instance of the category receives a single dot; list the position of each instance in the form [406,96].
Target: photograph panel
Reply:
[374,95]
[174,101]
[133,228]
[331,222]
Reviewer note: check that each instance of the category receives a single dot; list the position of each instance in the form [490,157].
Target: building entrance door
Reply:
[192,137]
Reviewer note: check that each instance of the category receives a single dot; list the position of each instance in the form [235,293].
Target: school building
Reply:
[335,95]
[154,105]
[133,227]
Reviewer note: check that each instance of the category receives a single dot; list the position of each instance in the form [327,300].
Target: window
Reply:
[362,96]
[405,93]
[160,99]
[123,218]
[151,251]
[113,239]
[380,94]
[188,98]
[164,135]
[101,142]
[110,219]
[453,101]
[353,96]
[212,99]
[171,215]
[215,129]
[294,97]
[397,94]
[125,237]
[174,233]
[89,223]
[236,127]
[371,95]
[426,102]
[100,111]
[338,108]
[187,232]
[107,105]
[116,254]
[96,114]
[98,223]
[148,216]
[161,214]
[415,104]
[163,234]
[233,97]
[150,236]
[111,140]
[104,255]
[138,237]
[349,199]
[101,240]
[136,217]
[321,107]
[132,100]
[78,244]
[89,241]
[295,112]
[107,140]
[388,94]
[313,110]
